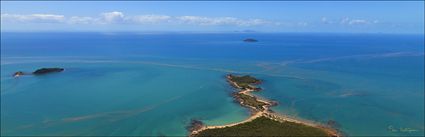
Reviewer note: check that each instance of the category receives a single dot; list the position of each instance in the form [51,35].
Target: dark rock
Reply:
[273,103]
[333,124]
[17,74]
[195,125]
[250,40]
[47,70]
[257,89]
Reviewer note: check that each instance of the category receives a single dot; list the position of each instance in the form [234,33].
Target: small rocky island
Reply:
[47,70]
[263,121]
[250,40]
[41,71]
[19,73]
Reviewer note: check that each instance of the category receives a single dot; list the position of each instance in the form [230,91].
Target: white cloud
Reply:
[39,18]
[358,21]
[345,20]
[348,21]
[150,19]
[302,24]
[116,17]
[82,20]
[113,17]
[198,20]
[326,20]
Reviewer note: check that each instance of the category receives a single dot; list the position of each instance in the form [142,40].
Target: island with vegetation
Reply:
[18,74]
[250,40]
[41,71]
[47,70]
[263,121]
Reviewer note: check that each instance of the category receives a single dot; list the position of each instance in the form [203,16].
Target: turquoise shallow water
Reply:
[153,84]
[360,106]
[113,99]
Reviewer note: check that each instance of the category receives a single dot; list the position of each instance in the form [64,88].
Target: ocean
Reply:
[153,84]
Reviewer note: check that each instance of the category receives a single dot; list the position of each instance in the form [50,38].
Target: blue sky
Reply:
[278,16]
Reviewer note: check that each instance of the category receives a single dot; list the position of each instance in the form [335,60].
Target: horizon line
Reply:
[235,31]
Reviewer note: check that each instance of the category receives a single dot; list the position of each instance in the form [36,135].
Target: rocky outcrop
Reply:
[194,125]
[19,73]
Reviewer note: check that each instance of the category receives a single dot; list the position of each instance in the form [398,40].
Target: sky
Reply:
[214,16]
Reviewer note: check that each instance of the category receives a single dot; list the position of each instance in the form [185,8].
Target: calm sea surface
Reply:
[154,84]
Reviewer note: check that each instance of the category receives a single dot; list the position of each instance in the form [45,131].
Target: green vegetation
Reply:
[264,126]
[245,80]
[47,70]
[244,85]
[250,101]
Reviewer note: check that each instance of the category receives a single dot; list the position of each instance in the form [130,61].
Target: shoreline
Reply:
[266,112]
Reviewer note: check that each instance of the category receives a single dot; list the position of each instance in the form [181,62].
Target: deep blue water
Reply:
[153,84]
